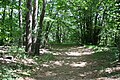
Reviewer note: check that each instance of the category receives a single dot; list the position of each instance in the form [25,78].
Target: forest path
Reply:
[78,63]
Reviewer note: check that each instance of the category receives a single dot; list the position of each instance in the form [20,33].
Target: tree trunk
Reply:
[89,29]
[11,20]
[29,27]
[39,37]
[96,31]
[20,24]
[48,26]
[58,34]
[34,24]
[47,30]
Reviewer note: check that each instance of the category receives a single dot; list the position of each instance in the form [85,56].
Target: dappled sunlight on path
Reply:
[77,63]
[73,51]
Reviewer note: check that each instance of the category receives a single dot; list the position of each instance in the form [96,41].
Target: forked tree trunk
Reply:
[29,27]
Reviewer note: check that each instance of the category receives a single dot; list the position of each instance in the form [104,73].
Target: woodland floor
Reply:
[77,63]
[80,63]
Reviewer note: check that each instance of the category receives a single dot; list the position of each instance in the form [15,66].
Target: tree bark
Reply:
[34,25]
[29,27]
[39,37]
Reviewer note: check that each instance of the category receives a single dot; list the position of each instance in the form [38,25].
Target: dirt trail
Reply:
[77,63]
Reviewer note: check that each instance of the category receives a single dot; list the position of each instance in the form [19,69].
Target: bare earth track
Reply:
[78,63]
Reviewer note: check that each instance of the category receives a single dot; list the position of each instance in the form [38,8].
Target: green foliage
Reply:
[7,73]
[17,52]
[113,51]
[76,20]
[14,70]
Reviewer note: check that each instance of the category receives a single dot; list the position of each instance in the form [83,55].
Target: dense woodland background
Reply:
[35,24]
[40,23]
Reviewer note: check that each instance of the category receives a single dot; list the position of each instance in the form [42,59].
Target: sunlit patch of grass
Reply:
[97,48]
[108,53]
[104,58]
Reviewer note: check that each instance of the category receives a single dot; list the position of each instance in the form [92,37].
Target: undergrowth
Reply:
[22,65]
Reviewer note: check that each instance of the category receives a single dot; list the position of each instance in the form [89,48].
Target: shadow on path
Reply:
[76,63]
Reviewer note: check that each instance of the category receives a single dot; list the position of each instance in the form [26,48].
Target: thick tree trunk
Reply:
[39,37]
[29,27]
[34,24]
